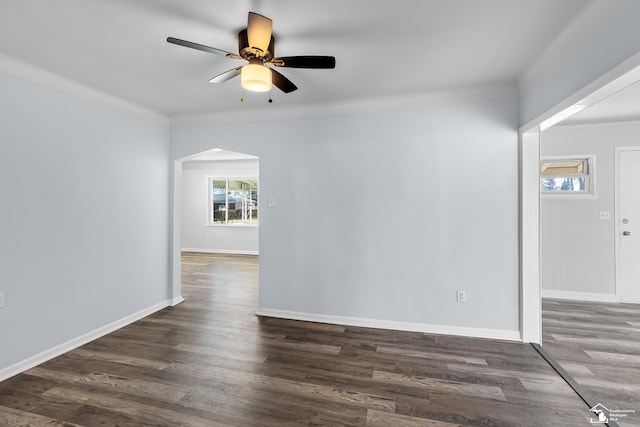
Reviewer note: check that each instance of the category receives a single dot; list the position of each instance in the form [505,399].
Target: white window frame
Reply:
[210,201]
[590,178]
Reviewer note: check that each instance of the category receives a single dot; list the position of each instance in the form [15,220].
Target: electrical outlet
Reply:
[461,296]
[1,299]
[605,215]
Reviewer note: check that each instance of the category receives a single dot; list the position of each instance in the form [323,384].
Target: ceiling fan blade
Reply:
[259,32]
[227,75]
[307,61]
[281,82]
[202,48]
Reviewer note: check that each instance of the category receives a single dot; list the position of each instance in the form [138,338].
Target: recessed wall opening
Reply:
[570,264]
[616,87]
[219,219]
[220,203]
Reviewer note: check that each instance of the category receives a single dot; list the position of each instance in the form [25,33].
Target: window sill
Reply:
[569,196]
[233,225]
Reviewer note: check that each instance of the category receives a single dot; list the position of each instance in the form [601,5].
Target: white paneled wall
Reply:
[578,248]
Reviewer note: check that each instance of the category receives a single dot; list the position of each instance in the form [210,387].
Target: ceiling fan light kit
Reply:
[257,46]
[255,77]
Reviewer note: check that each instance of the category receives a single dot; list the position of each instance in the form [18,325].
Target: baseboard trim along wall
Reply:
[176,301]
[74,343]
[579,296]
[498,334]
[220,251]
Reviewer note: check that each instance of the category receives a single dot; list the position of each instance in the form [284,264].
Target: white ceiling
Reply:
[382,47]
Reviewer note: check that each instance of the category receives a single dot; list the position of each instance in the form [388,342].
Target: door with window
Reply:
[628,228]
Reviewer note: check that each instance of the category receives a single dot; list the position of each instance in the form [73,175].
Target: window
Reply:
[567,176]
[233,201]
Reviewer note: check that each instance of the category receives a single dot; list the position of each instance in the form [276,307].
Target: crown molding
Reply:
[438,98]
[414,101]
[32,74]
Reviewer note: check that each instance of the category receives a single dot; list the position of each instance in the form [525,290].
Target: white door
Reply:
[629,226]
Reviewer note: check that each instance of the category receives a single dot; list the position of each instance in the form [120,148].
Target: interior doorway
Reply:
[596,343]
[585,102]
[209,218]
[220,203]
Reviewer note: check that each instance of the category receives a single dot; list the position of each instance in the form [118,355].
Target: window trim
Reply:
[210,211]
[590,176]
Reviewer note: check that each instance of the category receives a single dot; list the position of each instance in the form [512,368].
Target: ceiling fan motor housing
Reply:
[247,52]
[256,45]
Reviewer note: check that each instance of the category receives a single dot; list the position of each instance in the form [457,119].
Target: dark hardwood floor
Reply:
[211,362]
[599,345]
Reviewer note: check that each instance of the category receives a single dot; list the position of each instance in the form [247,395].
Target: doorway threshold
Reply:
[582,394]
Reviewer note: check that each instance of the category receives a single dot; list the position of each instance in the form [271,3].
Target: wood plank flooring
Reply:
[211,362]
[598,344]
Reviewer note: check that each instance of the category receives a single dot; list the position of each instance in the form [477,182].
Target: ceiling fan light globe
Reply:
[256,78]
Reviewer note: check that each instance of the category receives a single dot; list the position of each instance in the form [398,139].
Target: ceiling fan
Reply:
[257,46]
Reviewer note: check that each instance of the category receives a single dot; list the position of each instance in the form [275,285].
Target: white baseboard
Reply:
[579,296]
[18,368]
[220,251]
[176,301]
[498,334]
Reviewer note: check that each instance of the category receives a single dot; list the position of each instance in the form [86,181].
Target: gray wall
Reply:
[197,235]
[383,216]
[578,248]
[83,218]
[100,240]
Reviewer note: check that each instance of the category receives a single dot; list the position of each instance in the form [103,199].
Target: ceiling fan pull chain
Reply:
[243,99]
